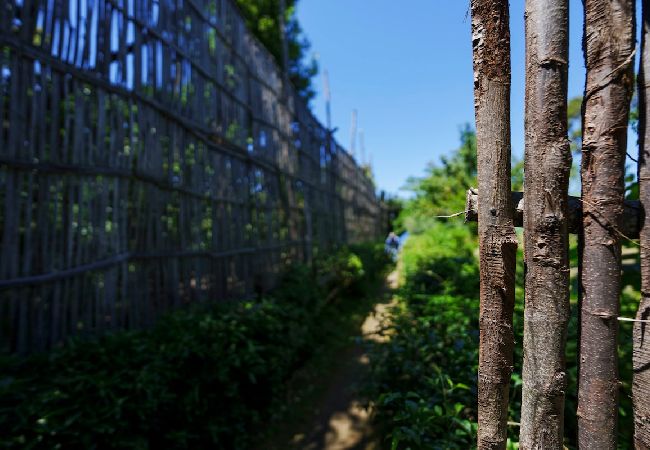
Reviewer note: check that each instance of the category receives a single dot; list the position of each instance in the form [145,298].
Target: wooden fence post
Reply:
[497,239]
[641,351]
[546,243]
[609,54]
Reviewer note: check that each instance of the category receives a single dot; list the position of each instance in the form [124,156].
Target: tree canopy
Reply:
[263,19]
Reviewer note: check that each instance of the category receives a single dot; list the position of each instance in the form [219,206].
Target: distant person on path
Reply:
[392,245]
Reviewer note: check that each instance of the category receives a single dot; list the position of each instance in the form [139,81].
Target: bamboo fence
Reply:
[151,157]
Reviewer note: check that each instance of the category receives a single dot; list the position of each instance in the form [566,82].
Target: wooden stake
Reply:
[641,346]
[497,239]
[609,47]
[546,237]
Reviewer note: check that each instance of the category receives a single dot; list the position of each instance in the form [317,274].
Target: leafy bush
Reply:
[440,260]
[353,269]
[201,378]
[422,382]
[342,267]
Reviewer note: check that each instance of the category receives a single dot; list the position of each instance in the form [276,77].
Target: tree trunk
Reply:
[546,243]
[641,352]
[497,239]
[609,45]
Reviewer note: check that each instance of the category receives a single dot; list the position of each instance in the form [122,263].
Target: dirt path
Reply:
[340,421]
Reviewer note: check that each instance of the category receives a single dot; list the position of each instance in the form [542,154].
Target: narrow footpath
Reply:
[338,419]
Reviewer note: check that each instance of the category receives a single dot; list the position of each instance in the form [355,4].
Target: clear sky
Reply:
[407,68]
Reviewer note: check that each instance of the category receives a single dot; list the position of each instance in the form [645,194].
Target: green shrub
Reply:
[422,381]
[440,260]
[376,265]
[200,379]
[353,269]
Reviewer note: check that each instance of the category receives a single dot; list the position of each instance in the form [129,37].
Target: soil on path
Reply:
[339,420]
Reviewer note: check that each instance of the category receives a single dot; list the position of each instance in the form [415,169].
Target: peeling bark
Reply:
[609,47]
[497,239]
[546,243]
[641,350]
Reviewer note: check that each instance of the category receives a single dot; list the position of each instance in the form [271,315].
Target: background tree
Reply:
[262,18]
[437,192]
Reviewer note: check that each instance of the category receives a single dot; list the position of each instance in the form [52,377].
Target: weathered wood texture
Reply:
[546,237]
[609,50]
[641,349]
[497,239]
[629,226]
[148,160]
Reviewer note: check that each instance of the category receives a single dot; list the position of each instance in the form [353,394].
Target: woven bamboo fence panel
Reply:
[150,157]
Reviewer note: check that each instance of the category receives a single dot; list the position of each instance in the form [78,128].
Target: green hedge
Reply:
[201,378]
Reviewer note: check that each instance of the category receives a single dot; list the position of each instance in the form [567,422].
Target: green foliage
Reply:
[574,118]
[441,260]
[420,377]
[262,18]
[342,266]
[442,190]
[201,378]
[353,269]
[517,176]
[422,381]
[376,265]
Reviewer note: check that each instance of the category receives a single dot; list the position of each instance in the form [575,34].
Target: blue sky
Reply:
[407,68]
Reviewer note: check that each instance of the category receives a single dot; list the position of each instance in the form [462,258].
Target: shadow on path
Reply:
[341,421]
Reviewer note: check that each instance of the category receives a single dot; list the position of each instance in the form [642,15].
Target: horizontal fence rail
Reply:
[151,157]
